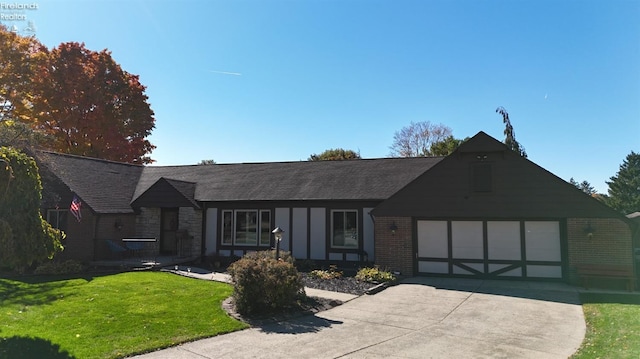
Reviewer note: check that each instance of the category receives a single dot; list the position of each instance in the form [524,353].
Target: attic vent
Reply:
[481,177]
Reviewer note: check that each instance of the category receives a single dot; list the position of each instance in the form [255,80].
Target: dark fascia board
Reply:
[323,203]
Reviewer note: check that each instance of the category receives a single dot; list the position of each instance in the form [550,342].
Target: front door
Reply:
[169,225]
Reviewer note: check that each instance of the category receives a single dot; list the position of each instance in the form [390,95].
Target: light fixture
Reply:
[393,228]
[589,230]
[118,224]
[277,234]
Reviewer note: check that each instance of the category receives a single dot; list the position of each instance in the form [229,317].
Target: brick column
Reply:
[394,251]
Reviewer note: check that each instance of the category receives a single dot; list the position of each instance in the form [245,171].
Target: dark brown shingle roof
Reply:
[104,186]
[111,187]
[368,179]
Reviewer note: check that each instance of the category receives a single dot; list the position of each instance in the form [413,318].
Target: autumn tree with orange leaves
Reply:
[80,100]
[20,60]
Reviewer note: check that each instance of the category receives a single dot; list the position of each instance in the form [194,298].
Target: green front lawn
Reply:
[613,326]
[108,316]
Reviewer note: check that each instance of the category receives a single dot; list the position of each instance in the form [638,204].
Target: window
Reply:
[57,218]
[265,228]
[344,229]
[481,180]
[246,227]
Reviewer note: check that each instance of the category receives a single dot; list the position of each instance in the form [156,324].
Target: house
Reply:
[483,211]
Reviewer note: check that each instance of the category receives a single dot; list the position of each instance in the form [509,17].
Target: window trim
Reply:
[357,229]
[260,232]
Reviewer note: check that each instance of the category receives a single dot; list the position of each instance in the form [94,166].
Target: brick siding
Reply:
[79,243]
[394,251]
[611,243]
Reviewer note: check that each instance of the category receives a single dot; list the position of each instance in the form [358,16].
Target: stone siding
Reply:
[190,219]
[148,226]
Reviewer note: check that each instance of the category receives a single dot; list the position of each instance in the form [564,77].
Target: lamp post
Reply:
[277,233]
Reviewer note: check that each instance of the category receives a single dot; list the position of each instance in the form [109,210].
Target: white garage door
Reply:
[522,249]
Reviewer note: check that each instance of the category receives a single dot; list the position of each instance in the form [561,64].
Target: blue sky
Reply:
[278,80]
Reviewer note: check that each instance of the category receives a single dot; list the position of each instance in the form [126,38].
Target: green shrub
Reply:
[262,284]
[374,274]
[67,267]
[285,256]
[332,273]
[305,265]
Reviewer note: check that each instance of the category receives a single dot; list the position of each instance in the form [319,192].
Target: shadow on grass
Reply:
[36,289]
[27,348]
[618,298]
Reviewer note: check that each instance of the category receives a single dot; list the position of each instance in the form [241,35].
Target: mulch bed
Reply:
[309,305]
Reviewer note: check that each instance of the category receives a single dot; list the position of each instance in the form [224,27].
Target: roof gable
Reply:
[167,193]
[482,142]
[104,186]
[519,188]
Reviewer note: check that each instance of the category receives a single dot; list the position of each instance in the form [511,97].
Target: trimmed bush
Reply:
[374,275]
[285,256]
[262,284]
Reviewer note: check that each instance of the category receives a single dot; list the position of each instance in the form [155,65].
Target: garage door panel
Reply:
[516,272]
[537,271]
[467,239]
[542,240]
[433,267]
[503,240]
[433,239]
[479,267]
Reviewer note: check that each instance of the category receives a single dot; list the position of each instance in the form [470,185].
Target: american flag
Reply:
[75,208]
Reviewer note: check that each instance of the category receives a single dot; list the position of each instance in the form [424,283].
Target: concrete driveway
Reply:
[420,318]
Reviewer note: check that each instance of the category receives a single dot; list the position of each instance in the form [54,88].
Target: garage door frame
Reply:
[506,265]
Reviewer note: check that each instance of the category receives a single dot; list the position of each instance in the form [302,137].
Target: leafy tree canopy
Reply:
[624,187]
[81,99]
[21,59]
[417,139]
[445,147]
[25,237]
[510,135]
[584,186]
[207,162]
[335,154]
[20,135]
